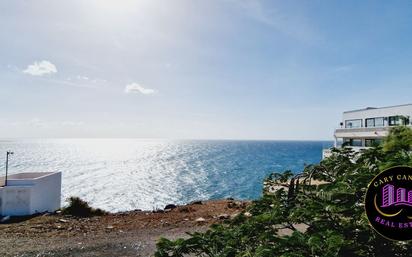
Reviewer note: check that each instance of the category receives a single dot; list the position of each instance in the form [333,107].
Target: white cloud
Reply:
[136,88]
[40,68]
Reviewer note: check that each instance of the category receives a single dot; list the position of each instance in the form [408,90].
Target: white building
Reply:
[367,127]
[30,193]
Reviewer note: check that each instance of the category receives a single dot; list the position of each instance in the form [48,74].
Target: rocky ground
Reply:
[120,234]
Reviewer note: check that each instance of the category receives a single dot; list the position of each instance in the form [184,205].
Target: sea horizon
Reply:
[168,139]
[126,174]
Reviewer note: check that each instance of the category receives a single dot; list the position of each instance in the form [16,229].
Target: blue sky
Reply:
[198,69]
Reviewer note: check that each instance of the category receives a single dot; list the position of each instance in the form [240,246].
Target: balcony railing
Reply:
[368,129]
[365,129]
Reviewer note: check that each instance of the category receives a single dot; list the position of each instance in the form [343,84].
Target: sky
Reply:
[186,69]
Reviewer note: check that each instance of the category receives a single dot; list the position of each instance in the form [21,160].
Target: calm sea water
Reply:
[126,174]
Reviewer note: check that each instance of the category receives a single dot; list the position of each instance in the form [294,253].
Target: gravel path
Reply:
[121,234]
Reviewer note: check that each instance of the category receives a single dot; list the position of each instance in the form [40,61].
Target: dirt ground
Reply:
[121,234]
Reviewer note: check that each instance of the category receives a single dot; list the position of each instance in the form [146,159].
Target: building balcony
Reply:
[372,132]
[369,132]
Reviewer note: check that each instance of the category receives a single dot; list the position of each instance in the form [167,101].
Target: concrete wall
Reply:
[15,201]
[30,193]
[46,193]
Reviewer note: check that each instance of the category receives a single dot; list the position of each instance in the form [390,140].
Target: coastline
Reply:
[131,233]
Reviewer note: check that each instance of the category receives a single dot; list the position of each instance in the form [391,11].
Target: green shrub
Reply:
[79,208]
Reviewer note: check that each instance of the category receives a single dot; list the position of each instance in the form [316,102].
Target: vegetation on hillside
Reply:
[80,208]
[332,214]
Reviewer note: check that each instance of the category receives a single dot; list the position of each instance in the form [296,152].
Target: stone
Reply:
[5,219]
[200,220]
[234,215]
[170,206]
[247,214]
[224,216]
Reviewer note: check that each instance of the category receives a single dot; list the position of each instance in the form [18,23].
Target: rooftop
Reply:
[373,108]
[25,176]
[28,175]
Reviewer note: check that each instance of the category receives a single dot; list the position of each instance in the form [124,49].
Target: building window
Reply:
[374,122]
[356,142]
[370,123]
[353,123]
[352,142]
[372,142]
[379,122]
[394,120]
[398,120]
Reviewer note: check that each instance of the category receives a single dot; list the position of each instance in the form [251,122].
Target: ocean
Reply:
[128,174]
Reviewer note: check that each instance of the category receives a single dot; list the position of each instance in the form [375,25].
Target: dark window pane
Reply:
[392,121]
[356,142]
[374,122]
[396,120]
[373,142]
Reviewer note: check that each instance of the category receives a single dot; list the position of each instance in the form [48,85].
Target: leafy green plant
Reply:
[80,208]
[304,218]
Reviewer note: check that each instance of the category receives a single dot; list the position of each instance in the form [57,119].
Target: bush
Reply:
[79,208]
[333,212]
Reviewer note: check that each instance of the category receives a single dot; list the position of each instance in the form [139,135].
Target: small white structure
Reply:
[30,193]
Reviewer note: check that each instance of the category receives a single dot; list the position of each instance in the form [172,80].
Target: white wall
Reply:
[15,200]
[26,196]
[46,194]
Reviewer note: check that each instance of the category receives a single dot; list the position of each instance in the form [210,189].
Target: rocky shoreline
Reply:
[132,233]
